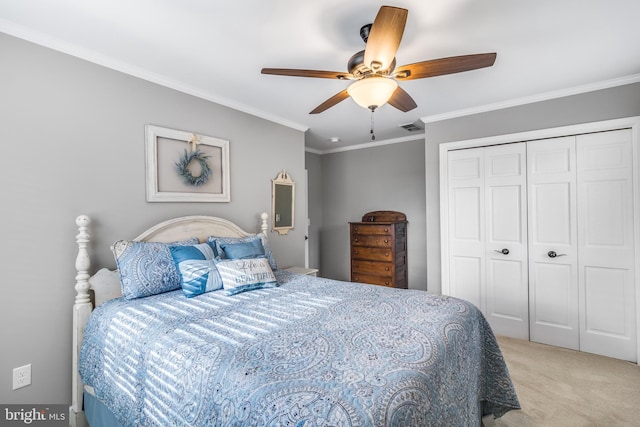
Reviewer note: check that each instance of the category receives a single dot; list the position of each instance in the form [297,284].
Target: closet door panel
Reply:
[466,279]
[605,296]
[506,300]
[604,224]
[553,278]
[606,247]
[551,298]
[551,213]
[466,226]
[506,240]
[506,214]
[467,264]
[466,211]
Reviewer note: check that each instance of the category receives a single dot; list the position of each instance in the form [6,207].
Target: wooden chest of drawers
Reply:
[379,249]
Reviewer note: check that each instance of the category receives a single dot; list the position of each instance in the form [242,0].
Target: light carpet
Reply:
[567,388]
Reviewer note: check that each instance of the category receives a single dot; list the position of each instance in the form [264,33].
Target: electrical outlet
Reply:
[22,376]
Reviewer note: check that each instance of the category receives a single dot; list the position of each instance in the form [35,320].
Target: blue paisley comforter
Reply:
[312,352]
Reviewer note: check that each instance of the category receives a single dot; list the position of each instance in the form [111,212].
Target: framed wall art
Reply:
[186,167]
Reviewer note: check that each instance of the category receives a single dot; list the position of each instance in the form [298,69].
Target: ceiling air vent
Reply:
[412,127]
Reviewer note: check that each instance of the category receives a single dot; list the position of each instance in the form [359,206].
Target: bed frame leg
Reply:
[77,419]
[81,310]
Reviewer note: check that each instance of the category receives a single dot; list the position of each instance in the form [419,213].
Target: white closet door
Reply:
[553,264]
[507,307]
[488,236]
[578,251]
[466,218]
[606,247]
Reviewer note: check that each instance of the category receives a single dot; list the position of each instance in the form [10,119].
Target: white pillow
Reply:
[240,275]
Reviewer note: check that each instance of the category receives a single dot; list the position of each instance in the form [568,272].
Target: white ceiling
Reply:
[215,49]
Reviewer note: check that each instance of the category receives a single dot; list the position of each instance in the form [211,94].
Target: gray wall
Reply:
[72,142]
[387,177]
[617,102]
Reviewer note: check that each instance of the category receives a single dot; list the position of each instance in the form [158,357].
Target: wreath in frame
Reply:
[184,164]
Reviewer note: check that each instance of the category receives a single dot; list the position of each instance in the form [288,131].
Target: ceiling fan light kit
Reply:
[373,69]
[372,92]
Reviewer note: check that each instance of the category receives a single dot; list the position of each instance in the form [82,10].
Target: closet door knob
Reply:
[553,254]
[504,251]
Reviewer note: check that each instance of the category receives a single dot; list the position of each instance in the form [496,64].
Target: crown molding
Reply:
[106,61]
[313,151]
[416,137]
[576,90]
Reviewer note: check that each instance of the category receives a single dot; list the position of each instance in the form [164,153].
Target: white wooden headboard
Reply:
[181,228]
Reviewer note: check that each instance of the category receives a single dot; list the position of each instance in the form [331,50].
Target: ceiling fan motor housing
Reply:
[364,32]
[359,70]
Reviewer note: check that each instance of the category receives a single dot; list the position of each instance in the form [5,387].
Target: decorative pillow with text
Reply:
[240,275]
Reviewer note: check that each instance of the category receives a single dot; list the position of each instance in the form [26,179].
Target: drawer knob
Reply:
[386,230]
[355,240]
[386,241]
[386,269]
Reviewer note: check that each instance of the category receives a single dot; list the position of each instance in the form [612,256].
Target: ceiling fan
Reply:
[374,69]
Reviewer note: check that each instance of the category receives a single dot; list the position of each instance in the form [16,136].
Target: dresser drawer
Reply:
[373,254]
[372,229]
[372,280]
[370,267]
[375,240]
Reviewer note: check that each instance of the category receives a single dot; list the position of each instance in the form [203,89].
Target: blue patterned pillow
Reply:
[146,268]
[241,275]
[198,273]
[219,241]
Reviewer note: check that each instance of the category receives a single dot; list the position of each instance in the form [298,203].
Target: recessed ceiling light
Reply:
[334,139]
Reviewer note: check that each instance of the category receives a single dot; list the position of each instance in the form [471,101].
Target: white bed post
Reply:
[264,226]
[81,311]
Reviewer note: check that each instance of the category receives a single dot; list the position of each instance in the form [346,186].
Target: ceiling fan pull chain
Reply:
[373,136]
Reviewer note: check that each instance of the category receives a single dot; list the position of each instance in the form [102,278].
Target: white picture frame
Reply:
[166,150]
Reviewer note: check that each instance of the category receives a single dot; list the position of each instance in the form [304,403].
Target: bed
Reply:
[298,351]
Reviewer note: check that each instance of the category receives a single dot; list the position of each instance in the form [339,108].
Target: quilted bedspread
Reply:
[312,352]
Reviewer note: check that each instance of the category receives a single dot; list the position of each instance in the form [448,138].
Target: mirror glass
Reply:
[282,203]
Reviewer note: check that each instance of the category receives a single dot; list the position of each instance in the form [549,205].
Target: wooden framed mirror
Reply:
[282,203]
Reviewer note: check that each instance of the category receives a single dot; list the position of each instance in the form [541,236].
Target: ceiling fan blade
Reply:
[384,38]
[402,100]
[442,66]
[308,73]
[338,97]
